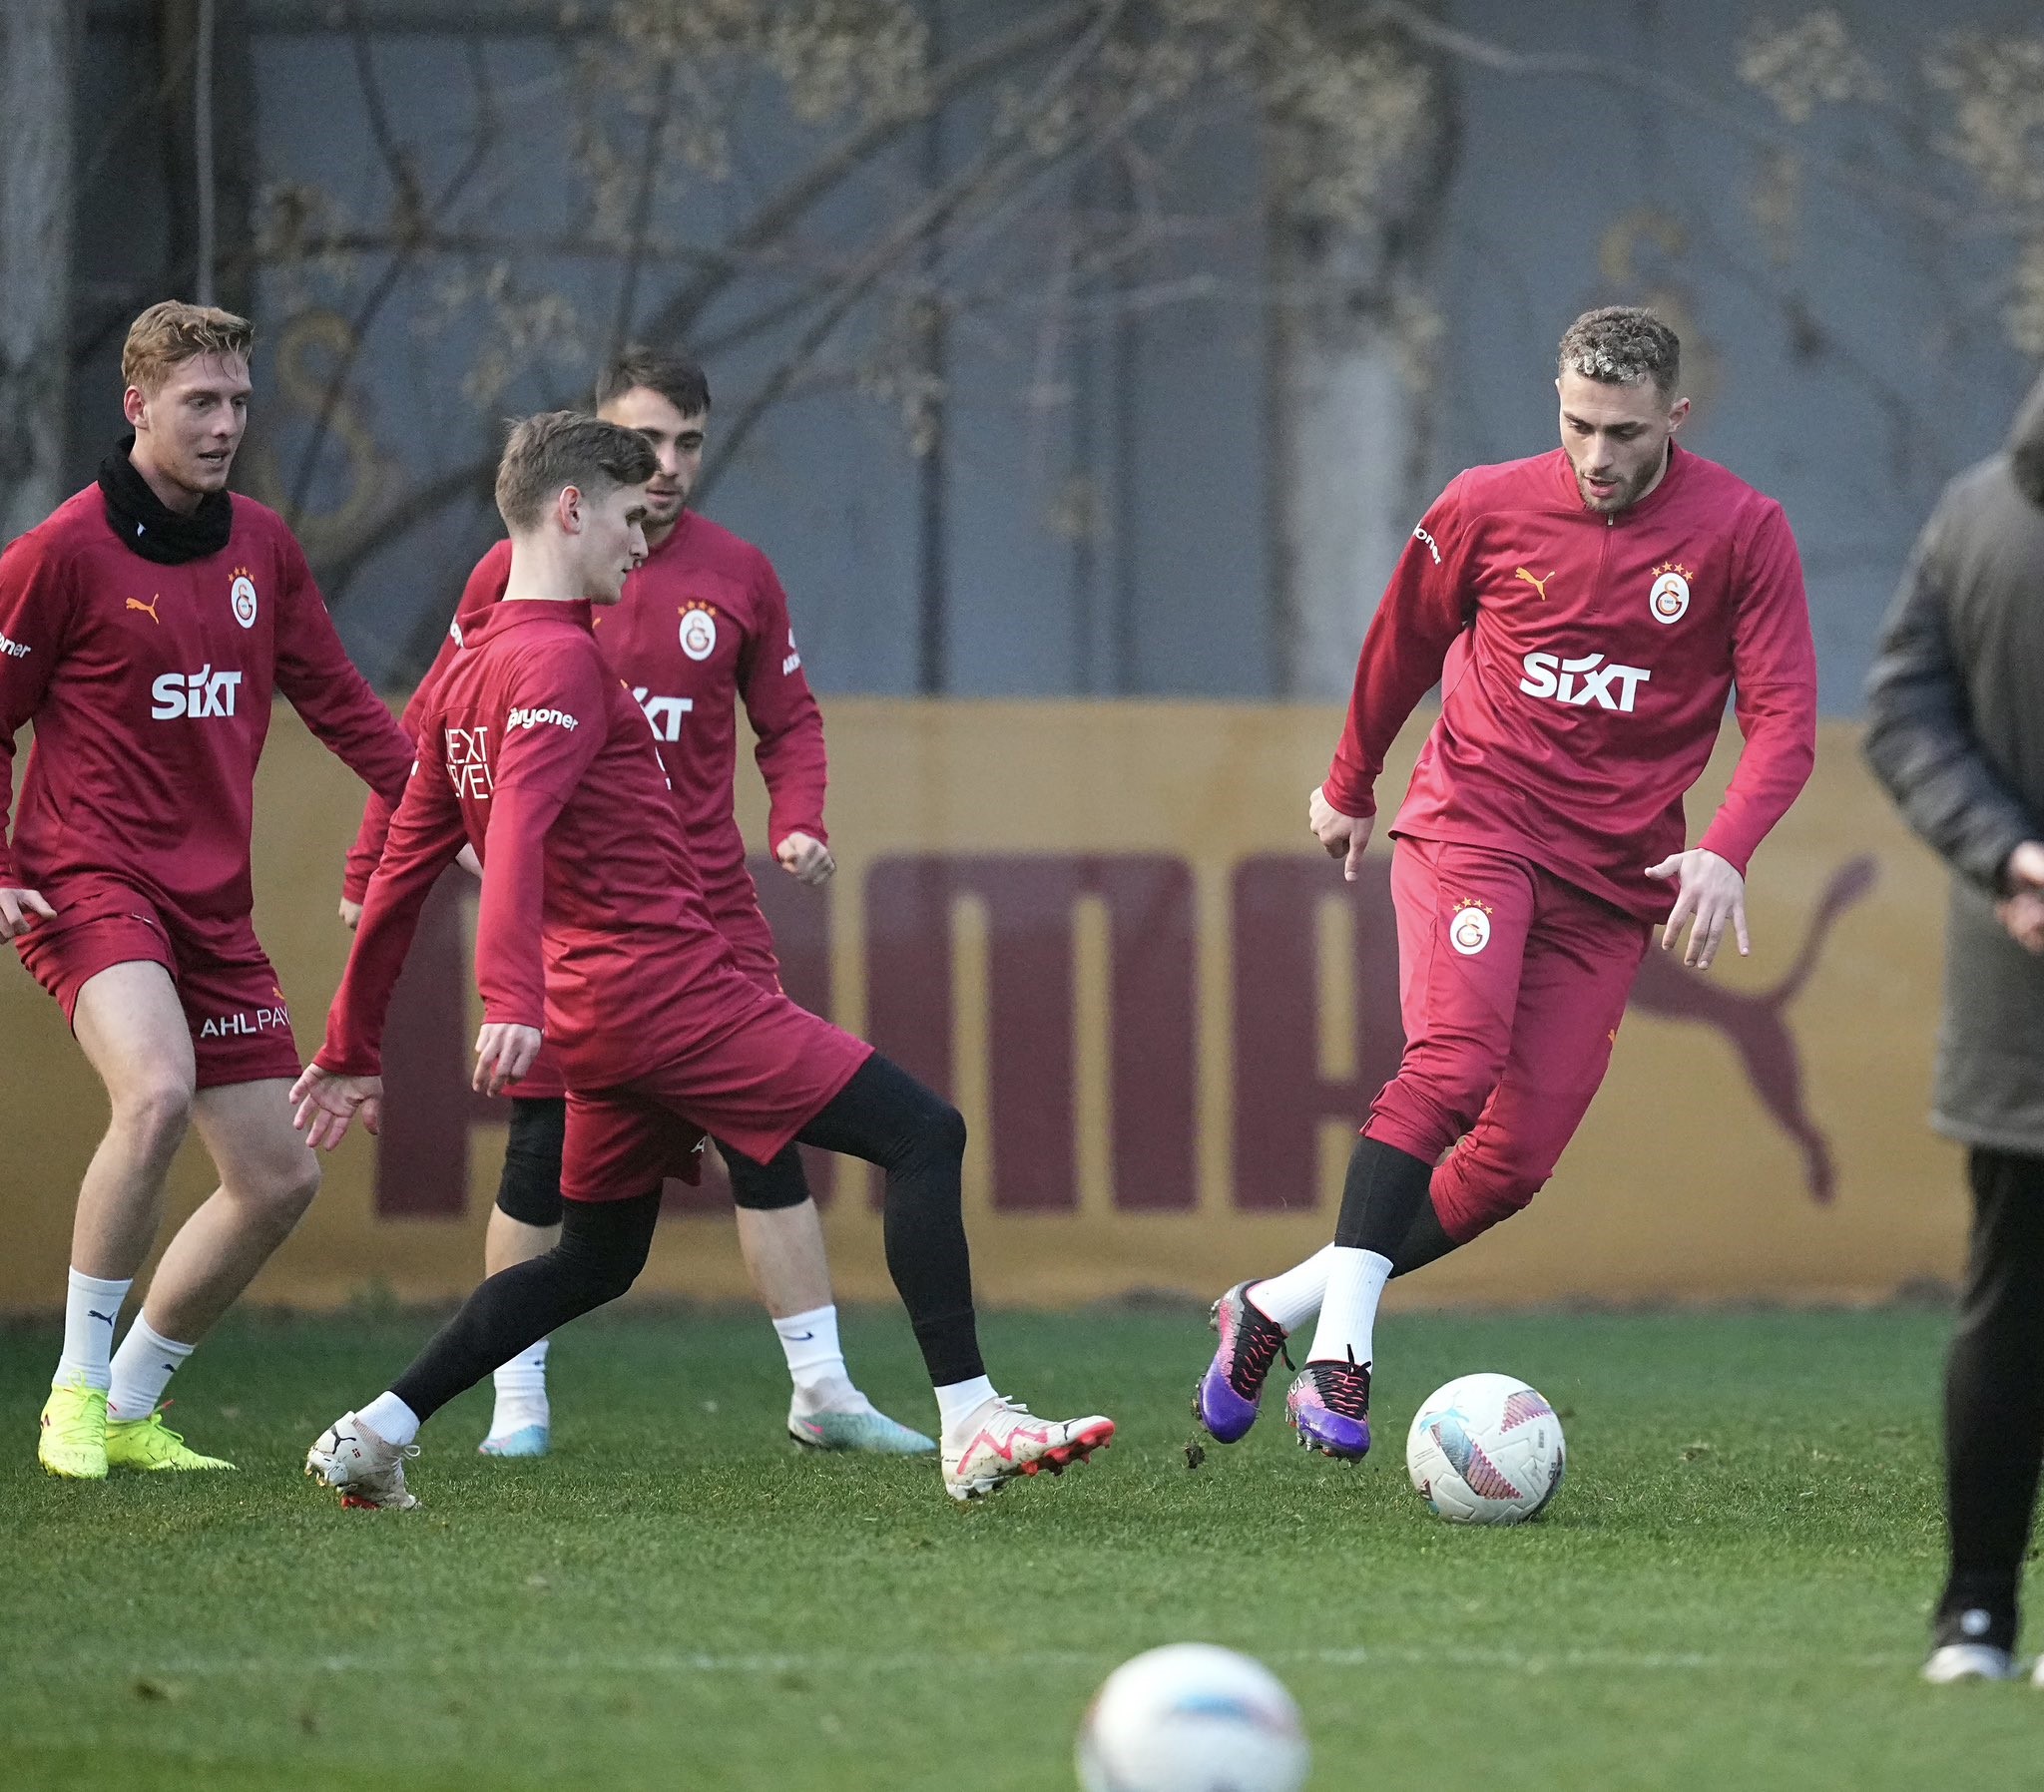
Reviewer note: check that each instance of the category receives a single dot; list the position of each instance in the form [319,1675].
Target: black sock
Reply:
[887,1118]
[1384,1194]
[602,1248]
[1425,1241]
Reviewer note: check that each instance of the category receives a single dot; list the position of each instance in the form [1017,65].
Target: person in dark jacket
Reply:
[1956,730]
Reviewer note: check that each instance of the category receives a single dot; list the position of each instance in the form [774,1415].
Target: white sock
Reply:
[521,1392]
[390,1419]
[1355,1284]
[90,1308]
[957,1401]
[1293,1297]
[142,1369]
[810,1342]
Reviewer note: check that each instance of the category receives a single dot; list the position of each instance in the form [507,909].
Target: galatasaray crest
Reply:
[1669,598]
[242,594]
[1469,927]
[699,631]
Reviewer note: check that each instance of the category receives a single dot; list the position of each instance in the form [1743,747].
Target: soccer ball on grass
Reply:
[1192,1718]
[1485,1450]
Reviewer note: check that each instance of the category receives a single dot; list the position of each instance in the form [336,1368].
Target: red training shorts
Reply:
[744,929]
[753,1079]
[233,1002]
[1511,984]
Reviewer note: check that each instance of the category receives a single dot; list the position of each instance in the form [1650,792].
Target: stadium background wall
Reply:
[1095,925]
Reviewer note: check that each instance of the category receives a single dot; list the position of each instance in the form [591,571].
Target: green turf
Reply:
[1730,1592]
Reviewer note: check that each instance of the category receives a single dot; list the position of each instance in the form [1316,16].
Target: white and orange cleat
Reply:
[366,1470]
[1003,1438]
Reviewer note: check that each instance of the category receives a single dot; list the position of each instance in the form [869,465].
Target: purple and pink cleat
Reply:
[1328,1407]
[1226,1398]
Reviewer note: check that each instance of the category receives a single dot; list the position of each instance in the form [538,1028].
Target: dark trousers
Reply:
[1994,1389]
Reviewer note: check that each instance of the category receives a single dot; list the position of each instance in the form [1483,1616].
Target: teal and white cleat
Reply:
[527,1440]
[869,1433]
[847,1420]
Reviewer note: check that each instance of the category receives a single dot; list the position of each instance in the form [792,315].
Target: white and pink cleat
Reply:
[1003,1438]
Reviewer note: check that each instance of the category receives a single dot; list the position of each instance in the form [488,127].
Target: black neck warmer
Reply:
[151,528]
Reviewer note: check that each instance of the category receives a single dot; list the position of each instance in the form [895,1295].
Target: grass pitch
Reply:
[1729,1591]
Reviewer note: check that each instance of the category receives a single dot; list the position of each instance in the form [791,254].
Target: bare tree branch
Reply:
[1682,94]
[406,249]
[984,172]
[779,213]
[641,206]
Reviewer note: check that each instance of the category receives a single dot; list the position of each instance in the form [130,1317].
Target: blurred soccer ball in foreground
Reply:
[1485,1450]
[1192,1718]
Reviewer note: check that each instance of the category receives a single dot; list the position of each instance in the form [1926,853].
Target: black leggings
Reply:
[883,1115]
[1994,1391]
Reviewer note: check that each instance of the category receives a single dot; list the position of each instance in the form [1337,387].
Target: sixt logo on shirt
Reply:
[199,694]
[1583,681]
[664,713]
[534,719]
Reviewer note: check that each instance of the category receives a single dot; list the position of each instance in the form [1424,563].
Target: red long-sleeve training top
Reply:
[1583,663]
[150,687]
[592,915]
[702,625]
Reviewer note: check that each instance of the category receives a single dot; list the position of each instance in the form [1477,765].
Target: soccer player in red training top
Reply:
[144,629]
[593,928]
[1585,613]
[701,625]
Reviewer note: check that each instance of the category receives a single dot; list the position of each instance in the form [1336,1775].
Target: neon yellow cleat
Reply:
[74,1439]
[151,1446]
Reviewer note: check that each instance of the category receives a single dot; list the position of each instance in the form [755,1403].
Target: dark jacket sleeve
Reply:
[1919,733]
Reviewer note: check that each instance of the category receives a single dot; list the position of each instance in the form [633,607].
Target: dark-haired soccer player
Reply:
[1585,613]
[701,627]
[144,629]
[593,931]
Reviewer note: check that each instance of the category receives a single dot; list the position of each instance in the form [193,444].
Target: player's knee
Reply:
[154,1111]
[944,1130]
[602,1249]
[279,1199]
[769,1187]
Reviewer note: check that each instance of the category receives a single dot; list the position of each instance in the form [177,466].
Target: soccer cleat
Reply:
[1003,1439]
[368,1471]
[854,1425]
[73,1443]
[1968,1661]
[1225,1400]
[152,1447]
[1329,1406]
[527,1440]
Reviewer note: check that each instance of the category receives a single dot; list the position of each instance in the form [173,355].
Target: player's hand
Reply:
[504,1052]
[1345,837]
[2022,919]
[20,910]
[327,1102]
[351,914]
[1712,896]
[467,861]
[806,859]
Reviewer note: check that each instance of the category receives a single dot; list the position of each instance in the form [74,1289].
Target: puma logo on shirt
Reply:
[1539,585]
[149,608]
